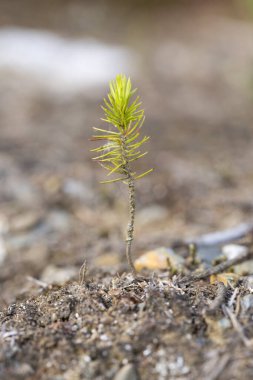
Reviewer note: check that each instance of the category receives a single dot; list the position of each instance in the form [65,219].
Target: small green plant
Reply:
[122,143]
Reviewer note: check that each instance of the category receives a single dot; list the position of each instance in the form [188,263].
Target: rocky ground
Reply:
[193,67]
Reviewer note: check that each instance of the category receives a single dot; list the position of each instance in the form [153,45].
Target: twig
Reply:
[40,283]
[238,305]
[216,269]
[82,272]
[237,326]
[217,367]
[221,237]
[233,297]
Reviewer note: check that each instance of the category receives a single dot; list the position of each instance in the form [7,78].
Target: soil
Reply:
[194,73]
[91,330]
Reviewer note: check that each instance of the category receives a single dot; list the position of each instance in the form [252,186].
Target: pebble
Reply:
[245,268]
[224,323]
[161,258]
[127,372]
[24,370]
[247,302]
[231,251]
[248,283]
[24,222]
[56,275]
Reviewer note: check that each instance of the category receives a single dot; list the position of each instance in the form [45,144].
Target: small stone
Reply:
[248,283]
[224,323]
[231,251]
[104,337]
[247,302]
[161,258]
[127,372]
[245,268]
[86,358]
[24,369]
[55,275]
[24,222]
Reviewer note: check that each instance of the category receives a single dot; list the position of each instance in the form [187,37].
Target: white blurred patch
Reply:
[3,230]
[61,63]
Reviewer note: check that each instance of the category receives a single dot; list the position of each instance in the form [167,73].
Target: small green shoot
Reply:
[122,143]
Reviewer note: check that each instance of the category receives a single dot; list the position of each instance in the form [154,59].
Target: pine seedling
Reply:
[122,143]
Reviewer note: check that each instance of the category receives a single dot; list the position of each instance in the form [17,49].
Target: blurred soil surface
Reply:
[194,69]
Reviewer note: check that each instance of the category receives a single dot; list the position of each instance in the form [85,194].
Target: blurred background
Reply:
[193,64]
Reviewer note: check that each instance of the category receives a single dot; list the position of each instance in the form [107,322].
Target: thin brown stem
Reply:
[130,226]
[131,192]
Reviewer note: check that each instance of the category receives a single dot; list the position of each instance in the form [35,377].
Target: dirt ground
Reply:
[193,68]
[89,331]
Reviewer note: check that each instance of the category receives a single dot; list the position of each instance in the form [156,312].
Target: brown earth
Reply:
[90,331]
